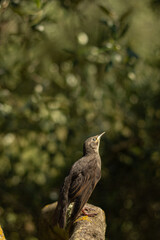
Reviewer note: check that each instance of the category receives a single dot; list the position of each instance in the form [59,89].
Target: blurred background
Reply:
[70,69]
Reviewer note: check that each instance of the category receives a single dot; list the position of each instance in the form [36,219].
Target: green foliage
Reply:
[69,70]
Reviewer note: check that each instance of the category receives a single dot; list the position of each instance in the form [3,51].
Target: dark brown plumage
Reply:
[81,181]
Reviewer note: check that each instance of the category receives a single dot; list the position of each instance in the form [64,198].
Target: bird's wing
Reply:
[82,196]
[82,176]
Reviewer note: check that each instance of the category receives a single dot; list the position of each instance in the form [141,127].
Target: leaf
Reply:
[123,23]
[38,3]
[105,10]
[125,15]
[36,18]
[104,22]
[131,53]
[124,30]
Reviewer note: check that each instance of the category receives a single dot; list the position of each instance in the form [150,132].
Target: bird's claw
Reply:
[86,211]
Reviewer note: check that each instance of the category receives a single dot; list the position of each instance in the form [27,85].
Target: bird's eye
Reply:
[94,139]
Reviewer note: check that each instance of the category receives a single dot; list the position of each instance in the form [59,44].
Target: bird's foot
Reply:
[86,211]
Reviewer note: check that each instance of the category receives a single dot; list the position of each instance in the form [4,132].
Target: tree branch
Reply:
[84,227]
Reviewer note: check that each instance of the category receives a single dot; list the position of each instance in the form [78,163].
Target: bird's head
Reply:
[91,145]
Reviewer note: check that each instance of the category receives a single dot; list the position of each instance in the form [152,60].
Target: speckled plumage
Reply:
[81,181]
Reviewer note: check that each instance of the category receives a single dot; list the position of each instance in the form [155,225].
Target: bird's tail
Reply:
[63,202]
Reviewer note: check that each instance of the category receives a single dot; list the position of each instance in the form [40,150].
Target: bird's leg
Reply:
[86,211]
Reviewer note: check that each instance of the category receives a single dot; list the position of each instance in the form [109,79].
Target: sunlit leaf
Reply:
[38,3]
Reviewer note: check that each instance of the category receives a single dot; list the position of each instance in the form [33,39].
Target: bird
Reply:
[80,182]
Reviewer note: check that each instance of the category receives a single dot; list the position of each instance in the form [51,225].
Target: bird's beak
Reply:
[100,135]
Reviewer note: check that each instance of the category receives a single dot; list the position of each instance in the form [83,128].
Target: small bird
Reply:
[80,182]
